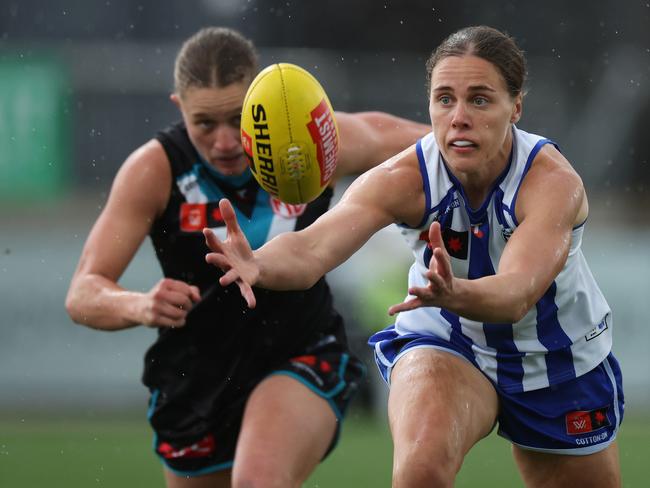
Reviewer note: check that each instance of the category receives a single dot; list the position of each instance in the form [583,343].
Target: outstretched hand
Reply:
[234,255]
[441,278]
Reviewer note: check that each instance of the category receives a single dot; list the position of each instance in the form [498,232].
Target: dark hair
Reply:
[214,56]
[487,43]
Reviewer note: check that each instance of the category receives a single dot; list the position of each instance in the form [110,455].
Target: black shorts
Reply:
[196,430]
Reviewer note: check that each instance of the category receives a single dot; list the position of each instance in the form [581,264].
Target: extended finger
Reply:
[229,217]
[247,292]
[443,265]
[219,260]
[436,281]
[229,277]
[211,240]
[410,304]
[435,235]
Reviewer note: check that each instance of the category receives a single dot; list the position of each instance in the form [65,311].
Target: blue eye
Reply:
[479,101]
[444,100]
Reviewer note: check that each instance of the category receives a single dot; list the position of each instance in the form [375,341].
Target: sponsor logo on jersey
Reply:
[596,331]
[323,133]
[203,448]
[455,203]
[592,439]
[287,210]
[585,421]
[195,216]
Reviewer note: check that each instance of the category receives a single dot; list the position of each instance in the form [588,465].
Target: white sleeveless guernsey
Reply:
[566,334]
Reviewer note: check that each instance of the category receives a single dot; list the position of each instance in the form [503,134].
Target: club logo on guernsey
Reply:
[506,233]
[195,216]
[456,243]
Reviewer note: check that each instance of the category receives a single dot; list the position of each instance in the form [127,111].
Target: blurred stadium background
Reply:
[82,84]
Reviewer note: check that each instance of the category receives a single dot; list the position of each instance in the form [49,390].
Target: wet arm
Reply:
[370,138]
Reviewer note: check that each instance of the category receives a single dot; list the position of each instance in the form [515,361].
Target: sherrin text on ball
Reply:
[289,133]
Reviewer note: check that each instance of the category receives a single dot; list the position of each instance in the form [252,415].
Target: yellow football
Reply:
[289,133]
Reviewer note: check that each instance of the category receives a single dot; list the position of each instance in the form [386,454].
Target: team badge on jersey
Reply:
[456,242]
[506,232]
[195,216]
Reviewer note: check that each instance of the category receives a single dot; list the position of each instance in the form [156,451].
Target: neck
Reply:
[235,180]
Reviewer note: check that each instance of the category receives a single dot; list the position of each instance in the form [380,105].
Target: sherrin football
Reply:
[289,133]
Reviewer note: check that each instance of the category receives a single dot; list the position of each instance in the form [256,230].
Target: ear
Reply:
[175,100]
[516,109]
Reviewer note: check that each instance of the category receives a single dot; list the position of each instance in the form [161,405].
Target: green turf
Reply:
[71,453]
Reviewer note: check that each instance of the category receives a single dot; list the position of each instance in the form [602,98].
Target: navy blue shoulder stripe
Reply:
[541,143]
[425,182]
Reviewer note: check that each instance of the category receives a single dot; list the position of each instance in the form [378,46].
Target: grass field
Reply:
[116,452]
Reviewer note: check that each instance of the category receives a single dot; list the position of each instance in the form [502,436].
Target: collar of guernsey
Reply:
[236,181]
[257,227]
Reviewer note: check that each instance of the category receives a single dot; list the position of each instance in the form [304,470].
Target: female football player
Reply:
[503,322]
[241,397]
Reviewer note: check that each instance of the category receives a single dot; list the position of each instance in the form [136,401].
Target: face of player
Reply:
[472,113]
[212,117]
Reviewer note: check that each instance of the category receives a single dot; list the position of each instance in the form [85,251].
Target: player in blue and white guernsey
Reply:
[238,397]
[503,323]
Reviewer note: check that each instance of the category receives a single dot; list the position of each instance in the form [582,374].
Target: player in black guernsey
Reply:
[238,396]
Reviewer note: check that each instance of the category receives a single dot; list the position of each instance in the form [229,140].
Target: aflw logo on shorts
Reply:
[582,422]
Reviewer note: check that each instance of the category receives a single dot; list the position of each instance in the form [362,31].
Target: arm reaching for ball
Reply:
[297,260]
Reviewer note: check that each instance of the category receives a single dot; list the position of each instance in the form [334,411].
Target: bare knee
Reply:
[415,468]
[598,470]
[263,475]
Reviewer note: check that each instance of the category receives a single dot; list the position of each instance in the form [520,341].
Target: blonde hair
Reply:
[214,57]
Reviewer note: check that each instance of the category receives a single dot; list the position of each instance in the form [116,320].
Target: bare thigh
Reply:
[439,406]
[286,431]
[598,470]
